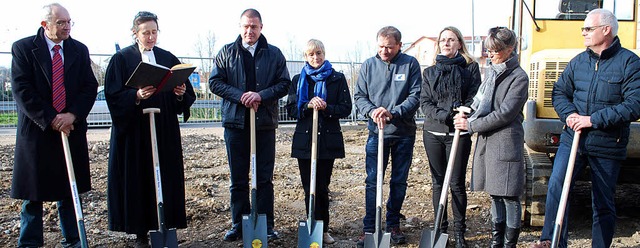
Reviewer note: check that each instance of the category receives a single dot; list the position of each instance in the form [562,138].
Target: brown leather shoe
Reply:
[327,239]
[541,244]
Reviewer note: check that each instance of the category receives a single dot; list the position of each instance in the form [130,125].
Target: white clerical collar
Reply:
[148,56]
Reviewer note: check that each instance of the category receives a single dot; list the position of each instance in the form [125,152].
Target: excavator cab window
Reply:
[576,9]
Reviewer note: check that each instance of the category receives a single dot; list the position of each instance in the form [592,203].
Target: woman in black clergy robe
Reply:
[131,192]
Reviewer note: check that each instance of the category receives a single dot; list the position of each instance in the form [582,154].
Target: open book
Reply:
[160,77]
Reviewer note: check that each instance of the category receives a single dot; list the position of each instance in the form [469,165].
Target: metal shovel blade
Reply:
[310,234]
[377,240]
[160,239]
[432,239]
[254,231]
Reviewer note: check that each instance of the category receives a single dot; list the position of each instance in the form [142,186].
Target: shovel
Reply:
[435,238]
[162,237]
[254,225]
[378,238]
[74,191]
[310,231]
[557,229]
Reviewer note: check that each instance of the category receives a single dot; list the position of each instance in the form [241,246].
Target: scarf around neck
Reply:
[319,76]
[450,77]
[483,100]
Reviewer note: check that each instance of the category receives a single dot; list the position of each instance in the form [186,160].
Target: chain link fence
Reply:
[206,109]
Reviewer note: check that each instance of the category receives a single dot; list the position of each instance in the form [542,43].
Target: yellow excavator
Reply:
[550,38]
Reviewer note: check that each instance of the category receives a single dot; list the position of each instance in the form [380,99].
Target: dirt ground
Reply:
[207,198]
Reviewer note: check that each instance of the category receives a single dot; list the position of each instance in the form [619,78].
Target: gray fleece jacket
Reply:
[394,86]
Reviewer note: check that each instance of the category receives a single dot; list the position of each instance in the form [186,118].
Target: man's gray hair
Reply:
[47,11]
[606,18]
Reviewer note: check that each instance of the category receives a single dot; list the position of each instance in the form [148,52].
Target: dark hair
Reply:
[251,13]
[142,17]
[500,38]
[390,31]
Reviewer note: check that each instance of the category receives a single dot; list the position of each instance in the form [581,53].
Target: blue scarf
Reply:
[319,76]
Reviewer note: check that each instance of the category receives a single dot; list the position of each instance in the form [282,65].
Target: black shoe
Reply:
[460,241]
[497,235]
[233,234]
[142,241]
[272,235]
[511,237]
[397,237]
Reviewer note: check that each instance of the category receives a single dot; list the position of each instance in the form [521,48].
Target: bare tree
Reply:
[359,52]
[293,52]
[204,50]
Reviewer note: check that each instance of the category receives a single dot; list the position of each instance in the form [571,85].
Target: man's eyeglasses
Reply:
[589,29]
[62,24]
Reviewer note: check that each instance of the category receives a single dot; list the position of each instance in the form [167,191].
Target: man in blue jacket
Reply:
[598,94]
[388,92]
[250,73]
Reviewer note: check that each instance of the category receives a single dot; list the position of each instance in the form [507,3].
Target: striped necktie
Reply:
[59,95]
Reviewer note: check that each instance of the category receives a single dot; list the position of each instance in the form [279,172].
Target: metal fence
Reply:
[206,109]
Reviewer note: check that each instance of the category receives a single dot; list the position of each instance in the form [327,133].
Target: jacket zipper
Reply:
[593,79]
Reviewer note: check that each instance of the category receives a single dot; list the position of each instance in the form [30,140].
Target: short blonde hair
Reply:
[312,45]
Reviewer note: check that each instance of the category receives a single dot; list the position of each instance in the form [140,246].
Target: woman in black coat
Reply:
[131,192]
[318,86]
[451,82]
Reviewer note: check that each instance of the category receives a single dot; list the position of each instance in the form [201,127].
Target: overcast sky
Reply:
[342,25]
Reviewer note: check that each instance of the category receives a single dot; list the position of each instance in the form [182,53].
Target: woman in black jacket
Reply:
[318,86]
[451,82]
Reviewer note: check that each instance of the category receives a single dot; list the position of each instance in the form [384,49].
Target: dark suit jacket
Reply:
[40,172]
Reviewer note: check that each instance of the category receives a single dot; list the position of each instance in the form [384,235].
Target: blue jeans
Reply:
[31,225]
[604,175]
[401,151]
[506,209]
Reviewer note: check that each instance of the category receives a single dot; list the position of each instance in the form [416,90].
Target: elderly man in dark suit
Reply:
[54,88]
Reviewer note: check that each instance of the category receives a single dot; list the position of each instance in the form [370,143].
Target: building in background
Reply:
[423,49]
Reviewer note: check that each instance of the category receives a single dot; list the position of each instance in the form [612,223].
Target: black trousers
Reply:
[438,148]
[324,168]
[239,158]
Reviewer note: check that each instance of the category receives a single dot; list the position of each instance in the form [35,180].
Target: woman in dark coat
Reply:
[131,192]
[321,87]
[451,82]
[498,162]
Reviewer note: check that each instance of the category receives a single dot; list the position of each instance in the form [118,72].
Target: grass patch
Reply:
[211,114]
[10,118]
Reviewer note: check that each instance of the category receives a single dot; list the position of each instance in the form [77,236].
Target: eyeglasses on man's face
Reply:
[590,29]
[62,23]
